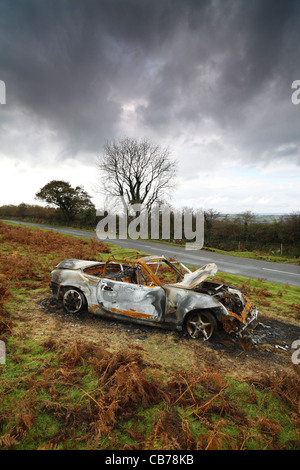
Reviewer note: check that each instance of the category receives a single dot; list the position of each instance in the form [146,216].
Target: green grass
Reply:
[61,395]
[42,397]
[273,298]
[256,255]
[241,254]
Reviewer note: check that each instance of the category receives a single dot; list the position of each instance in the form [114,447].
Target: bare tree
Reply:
[137,172]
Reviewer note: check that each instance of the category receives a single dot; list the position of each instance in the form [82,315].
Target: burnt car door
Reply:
[134,301]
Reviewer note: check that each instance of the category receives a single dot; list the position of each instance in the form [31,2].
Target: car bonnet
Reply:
[192,280]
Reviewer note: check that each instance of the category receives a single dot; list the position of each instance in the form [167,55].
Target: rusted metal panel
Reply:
[133,300]
[76,264]
[193,279]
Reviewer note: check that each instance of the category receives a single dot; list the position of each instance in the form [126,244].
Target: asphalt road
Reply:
[274,272]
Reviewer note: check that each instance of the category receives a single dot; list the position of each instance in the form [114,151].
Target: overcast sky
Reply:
[210,79]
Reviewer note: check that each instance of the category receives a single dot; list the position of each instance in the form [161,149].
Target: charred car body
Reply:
[154,291]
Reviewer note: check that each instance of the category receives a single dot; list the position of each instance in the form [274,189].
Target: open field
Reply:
[281,273]
[275,258]
[81,382]
[258,255]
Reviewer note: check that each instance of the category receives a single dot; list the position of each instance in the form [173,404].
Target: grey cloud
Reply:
[217,69]
[73,64]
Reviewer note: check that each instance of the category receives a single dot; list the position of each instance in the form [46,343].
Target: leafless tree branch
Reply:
[138,172]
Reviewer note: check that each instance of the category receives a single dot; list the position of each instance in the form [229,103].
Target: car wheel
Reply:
[73,301]
[201,325]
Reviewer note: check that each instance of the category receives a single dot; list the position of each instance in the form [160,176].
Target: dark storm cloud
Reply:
[234,53]
[73,64]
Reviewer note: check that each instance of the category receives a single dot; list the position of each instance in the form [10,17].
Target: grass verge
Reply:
[79,392]
[260,255]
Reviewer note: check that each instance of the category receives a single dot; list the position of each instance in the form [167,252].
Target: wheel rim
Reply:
[199,327]
[72,301]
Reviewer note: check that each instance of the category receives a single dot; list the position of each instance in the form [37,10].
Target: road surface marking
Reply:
[284,272]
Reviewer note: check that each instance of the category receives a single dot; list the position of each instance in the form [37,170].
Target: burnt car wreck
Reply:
[154,291]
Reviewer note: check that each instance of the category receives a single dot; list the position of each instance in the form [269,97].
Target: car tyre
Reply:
[200,325]
[73,301]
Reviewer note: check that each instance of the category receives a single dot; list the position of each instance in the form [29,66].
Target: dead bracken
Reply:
[82,382]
